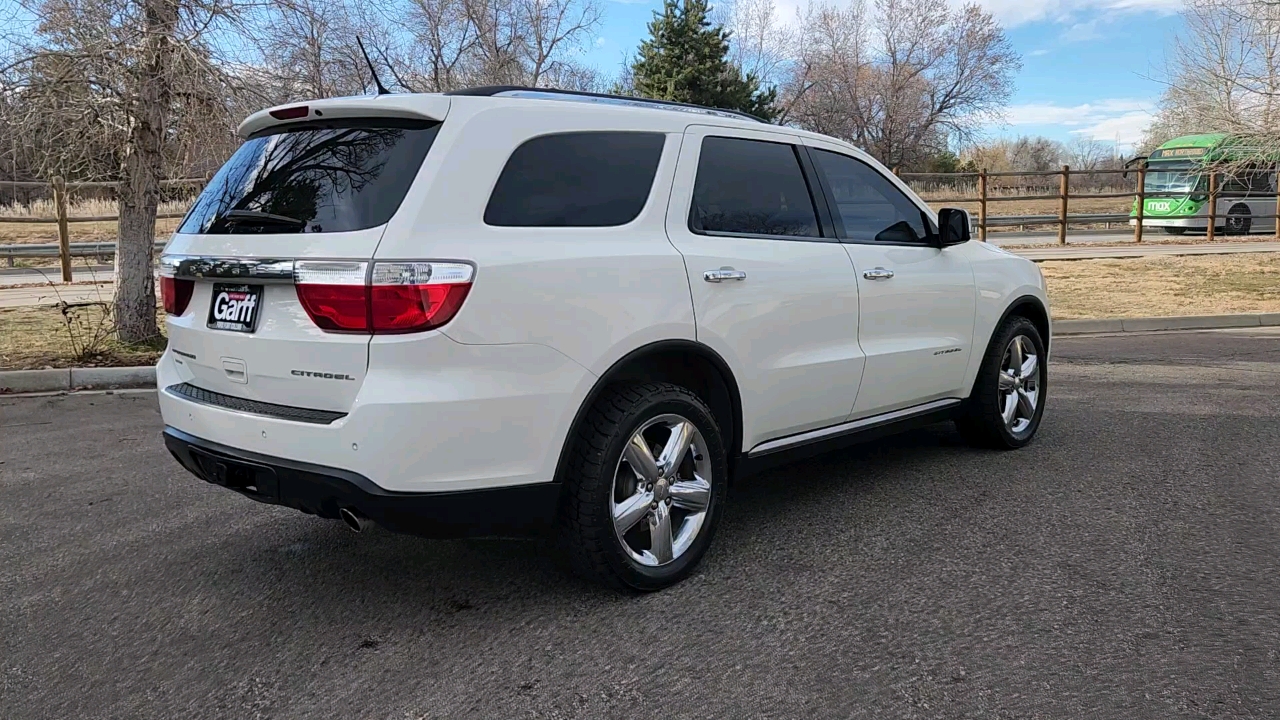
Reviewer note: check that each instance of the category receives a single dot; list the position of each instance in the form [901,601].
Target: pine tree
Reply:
[685,59]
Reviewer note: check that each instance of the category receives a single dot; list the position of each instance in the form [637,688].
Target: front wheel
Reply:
[1007,401]
[645,484]
[1174,230]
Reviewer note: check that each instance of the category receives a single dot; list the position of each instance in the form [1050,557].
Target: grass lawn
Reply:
[43,337]
[1164,285]
[37,337]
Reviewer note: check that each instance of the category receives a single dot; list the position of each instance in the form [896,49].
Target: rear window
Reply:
[584,179]
[314,178]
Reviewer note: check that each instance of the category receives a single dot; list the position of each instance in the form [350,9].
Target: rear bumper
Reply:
[516,510]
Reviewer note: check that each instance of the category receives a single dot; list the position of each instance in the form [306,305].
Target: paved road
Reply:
[1126,565]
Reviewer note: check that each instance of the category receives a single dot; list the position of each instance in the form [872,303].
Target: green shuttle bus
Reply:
[1177,178]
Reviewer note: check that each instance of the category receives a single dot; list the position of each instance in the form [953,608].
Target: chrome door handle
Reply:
[877,273]
[724,273]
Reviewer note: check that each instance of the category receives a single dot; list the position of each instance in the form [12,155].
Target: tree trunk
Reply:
[139,195]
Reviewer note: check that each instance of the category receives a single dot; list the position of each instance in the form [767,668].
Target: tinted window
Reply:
[751,187]
[314,179]
[868,205]
[1248,181]
[586,179]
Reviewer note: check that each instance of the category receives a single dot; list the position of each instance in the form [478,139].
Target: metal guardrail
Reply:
[86,249]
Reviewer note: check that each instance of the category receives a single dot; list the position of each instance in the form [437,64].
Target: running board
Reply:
[775,452]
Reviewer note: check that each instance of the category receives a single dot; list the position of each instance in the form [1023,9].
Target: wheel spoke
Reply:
[640,458]
[1015,353]
[1029,366]
[692,495]
[660,534]
[1010,407]
[1026,403]
[631,511]
[676,447]
[1007,381]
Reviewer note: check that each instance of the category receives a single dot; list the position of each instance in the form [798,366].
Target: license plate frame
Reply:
[235,307]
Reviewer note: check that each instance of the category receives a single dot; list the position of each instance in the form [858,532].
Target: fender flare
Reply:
[616,370]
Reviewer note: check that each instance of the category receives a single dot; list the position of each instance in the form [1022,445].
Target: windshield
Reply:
[1172,178]
[314,178]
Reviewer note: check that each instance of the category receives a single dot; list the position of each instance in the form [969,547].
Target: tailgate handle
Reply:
[235,370]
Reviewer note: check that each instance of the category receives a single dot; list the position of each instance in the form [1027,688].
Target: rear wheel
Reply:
[1007,401]
[646,480]
[1174,230]
[1239,220]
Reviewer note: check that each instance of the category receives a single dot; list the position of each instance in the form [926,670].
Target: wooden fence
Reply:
[1064,196]
[63,220]
[983,179]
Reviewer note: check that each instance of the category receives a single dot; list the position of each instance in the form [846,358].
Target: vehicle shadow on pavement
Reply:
[426,580]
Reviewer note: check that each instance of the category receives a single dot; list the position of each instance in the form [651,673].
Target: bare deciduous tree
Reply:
[1223,75]
[902,79]
[139,78]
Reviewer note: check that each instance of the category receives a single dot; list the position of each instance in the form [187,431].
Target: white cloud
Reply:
[600,42]
[1017,12]
[1038,52]
[1102,120]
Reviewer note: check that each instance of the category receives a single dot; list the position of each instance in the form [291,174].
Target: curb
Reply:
[1157,324]
[65,380]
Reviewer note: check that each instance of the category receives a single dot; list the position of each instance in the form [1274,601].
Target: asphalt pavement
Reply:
[1125,565]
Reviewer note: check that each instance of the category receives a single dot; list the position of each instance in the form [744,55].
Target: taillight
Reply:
[176,294]
[334,294]
[395,297]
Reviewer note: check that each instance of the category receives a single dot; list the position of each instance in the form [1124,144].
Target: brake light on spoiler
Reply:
[389,298]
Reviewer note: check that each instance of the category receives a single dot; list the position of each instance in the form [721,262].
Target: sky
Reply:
[1090,67]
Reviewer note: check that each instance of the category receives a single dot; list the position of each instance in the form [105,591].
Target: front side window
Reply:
[870,208]
[580,179]
[314,178]
[751,187]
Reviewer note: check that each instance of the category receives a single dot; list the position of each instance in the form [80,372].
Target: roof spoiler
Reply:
[407,107]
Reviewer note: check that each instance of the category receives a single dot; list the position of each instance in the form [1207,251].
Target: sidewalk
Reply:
[19,289]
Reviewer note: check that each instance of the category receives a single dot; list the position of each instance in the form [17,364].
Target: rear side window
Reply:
[751,187]
[869,206]
[582,179]
[314,178]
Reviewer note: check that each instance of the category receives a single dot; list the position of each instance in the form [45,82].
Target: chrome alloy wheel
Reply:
[661,490]
[1019,384]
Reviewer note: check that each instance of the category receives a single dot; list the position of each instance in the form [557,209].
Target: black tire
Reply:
[980,420]
[1174,230]
[1239,220]
[595,550]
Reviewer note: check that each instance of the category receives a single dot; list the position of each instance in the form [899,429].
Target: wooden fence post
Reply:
[1142,202]
[982,205]
[64,235]
[1065,190]
[1211,228]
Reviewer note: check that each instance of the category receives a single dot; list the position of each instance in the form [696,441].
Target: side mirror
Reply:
[953,227]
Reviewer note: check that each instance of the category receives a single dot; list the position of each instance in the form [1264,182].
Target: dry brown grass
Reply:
[1164,286]
[45,337]
[25,233]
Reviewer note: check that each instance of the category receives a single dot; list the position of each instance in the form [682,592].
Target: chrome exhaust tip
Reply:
[353,519]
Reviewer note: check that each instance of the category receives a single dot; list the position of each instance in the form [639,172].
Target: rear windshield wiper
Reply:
[254,217]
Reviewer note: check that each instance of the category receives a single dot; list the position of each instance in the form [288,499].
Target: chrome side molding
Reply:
[865,423]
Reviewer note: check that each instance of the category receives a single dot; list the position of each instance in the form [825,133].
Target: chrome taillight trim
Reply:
[194,267]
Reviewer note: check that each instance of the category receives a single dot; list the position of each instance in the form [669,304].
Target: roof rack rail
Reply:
[582,96]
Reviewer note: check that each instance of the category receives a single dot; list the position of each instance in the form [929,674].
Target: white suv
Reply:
[505,310]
